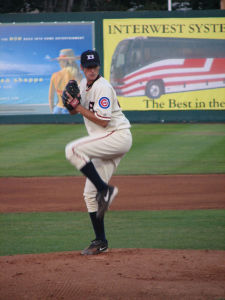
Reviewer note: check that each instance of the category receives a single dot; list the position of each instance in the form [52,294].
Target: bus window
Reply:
[134,56]
[119,59]
[146,55]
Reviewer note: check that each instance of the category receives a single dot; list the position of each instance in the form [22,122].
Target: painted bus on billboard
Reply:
[153,66]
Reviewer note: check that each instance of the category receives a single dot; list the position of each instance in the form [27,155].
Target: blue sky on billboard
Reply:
[30,49]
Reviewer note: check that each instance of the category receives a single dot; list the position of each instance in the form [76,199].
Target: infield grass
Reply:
[23,233]
[38,150]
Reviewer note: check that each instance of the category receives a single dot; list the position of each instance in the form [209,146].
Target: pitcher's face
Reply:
[91,73]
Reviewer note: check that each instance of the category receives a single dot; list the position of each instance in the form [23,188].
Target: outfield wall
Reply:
[133,116]
[152,114]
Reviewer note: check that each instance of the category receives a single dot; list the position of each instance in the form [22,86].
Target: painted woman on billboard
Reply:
[69,71]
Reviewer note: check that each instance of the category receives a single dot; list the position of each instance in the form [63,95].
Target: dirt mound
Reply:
[118,274]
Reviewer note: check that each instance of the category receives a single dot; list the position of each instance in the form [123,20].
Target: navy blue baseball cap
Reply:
[90,59]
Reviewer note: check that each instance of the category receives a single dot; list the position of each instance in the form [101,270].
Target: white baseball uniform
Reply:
[104,146]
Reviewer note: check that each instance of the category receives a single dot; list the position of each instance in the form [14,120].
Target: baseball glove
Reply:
[71,95]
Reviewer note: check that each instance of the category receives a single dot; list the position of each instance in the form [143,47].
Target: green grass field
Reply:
[38,150]
[66,231]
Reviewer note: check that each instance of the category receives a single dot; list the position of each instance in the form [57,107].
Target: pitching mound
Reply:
[118,274]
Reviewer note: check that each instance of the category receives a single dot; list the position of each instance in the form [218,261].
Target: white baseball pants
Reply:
[105,150]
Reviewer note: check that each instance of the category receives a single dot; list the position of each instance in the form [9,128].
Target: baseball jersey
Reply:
[101,99]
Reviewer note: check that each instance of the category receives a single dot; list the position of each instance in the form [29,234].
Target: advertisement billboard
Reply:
[29,56]
[166,64]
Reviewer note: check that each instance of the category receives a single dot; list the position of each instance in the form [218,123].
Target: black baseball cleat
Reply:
[104,199]
[96,247]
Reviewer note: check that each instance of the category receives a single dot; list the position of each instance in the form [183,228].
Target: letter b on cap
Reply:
[90,56]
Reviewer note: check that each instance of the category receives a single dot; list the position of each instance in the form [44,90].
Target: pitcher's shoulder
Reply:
[103,82]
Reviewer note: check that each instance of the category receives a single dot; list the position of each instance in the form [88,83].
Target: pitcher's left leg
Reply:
[100,244]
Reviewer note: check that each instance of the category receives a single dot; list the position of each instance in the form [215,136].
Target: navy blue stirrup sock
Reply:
[90,172]
[98,225]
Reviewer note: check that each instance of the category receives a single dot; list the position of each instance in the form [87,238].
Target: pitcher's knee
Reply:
[76,156]
[68,151]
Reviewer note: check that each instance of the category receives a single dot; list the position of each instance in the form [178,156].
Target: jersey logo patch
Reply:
[104,102]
